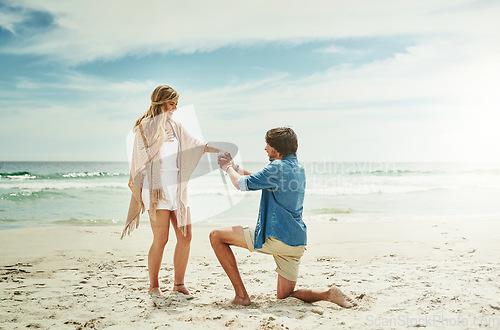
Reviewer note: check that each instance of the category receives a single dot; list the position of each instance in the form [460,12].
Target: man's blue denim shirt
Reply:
[283,184]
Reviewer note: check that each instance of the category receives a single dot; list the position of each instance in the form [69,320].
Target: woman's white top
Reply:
[169,180]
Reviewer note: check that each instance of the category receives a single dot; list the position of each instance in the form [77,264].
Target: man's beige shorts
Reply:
[287,257]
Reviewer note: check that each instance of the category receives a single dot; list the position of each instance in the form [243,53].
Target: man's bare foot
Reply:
[245,301]
[181,288]
[335,295]
[155,291]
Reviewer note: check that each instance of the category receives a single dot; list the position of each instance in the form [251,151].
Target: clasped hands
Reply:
[225,160]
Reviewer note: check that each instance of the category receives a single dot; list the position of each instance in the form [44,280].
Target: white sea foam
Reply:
[411,192]
[61,185]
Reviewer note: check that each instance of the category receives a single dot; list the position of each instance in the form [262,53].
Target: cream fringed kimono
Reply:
[146,156]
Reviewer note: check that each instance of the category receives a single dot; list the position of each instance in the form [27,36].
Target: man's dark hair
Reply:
[283,139]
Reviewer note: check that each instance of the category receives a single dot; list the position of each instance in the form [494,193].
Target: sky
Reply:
[380,81]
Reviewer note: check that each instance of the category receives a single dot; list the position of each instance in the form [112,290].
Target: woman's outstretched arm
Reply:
[211,149]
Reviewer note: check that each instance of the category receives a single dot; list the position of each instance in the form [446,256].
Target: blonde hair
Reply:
[152,119]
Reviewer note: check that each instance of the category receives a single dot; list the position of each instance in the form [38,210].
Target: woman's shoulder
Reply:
[176,122]
[177,126]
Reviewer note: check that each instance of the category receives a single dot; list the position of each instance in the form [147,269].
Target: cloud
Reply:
[419,104]
[435,71]
[76,87]
[19,20]
[10,19]
[86,31]
[431,87]
[436,94]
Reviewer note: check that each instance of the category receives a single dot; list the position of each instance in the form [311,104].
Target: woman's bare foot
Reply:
[245,301]
[155,291]
[181,288]
[335,295]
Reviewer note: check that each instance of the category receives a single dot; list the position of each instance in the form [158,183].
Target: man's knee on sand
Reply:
[283,295]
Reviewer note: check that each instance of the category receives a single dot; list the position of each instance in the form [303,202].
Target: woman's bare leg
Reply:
[160,229]
[181,253]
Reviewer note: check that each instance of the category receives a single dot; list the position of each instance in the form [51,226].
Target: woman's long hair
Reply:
[153,121]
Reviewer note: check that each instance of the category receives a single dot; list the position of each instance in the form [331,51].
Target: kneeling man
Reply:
[280,230]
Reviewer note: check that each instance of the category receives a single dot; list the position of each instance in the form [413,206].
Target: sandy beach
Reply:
[402,274]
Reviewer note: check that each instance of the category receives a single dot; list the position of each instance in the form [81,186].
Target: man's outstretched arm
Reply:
[234,176]
[268,177]
[234,171]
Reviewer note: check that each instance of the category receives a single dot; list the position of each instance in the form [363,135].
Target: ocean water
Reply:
[96,193]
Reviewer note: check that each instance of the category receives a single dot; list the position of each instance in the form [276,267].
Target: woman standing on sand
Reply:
[163,157]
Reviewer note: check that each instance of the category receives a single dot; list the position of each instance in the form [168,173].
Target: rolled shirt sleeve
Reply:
[267,178]
[242,183]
